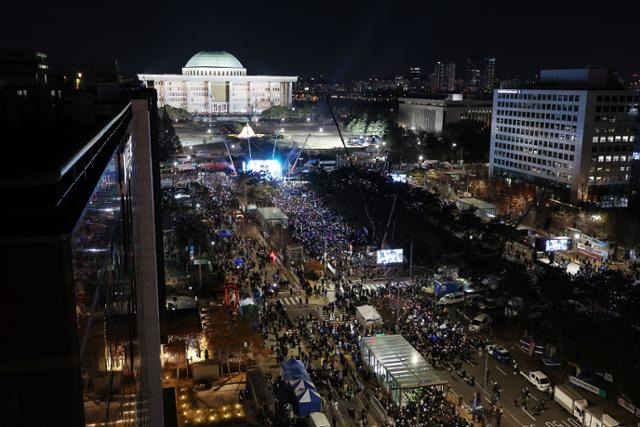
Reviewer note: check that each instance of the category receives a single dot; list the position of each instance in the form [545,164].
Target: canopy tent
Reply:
[293,369]
[301,384]
[308,401]
[367,315]
[272,215]
[246,132]
[399,366]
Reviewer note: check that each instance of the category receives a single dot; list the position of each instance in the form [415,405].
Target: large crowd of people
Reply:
[318,228]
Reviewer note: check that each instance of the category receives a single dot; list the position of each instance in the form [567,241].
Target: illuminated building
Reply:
[81,340]
[215,82]
[444,77]
[572,133]
[433,114]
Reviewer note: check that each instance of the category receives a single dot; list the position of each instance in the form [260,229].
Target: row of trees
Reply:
[363,126]
[168,140]
[301,111]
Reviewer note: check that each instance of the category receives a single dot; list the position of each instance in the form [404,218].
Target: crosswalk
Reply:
[291,301]
[337,313]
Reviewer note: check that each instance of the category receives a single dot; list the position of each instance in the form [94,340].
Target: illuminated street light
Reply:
[282,119]
[321,130]
[420,157]
[308,119]
[208,130]
[233,145]
[454,145]
[175,164]
[281,130]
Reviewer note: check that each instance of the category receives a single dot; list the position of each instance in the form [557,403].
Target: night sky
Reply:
[347,39]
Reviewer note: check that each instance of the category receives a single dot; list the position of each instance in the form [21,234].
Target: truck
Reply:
[572,401]
[538,379]
[596,417]
[318,419]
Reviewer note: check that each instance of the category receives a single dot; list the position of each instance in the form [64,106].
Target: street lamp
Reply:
[454,145]
[420,157]
[321,130]
[308,119]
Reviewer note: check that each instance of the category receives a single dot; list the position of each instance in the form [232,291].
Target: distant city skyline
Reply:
[340,41]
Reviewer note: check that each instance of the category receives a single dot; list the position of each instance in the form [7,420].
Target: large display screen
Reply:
[553,245]
[398,177]
[389,256]
[271,168]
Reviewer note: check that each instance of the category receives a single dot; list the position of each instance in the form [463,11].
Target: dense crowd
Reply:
[317,227]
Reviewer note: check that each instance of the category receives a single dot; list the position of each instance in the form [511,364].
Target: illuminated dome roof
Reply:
[213,59]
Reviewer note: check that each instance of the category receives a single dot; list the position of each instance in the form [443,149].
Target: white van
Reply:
[480,322]
[318,419]
[452,298]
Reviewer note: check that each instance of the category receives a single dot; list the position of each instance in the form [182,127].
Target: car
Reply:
[491,303]
[481,321]
[452,298]
[471,295]
[538,379]
[499,353]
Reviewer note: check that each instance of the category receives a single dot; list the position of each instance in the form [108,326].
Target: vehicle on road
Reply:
[491,303]
[452,298]
[480,322]
[572,401]
[471,295]
[318,419]
[596,417]
[538,379]
[499,353]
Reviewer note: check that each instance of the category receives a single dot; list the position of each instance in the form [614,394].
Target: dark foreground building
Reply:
[80,334]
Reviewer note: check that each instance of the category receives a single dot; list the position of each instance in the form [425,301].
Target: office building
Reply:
[434,113]
[81,340]
[215,82]
[488,74]
[444,77]
[472,76]
[573,133]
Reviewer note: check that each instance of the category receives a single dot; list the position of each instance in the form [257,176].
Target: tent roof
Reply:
[308,395]
[272,213]
[368,312]
[402,361]
[246,132]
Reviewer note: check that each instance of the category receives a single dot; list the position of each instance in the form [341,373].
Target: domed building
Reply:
[215,82]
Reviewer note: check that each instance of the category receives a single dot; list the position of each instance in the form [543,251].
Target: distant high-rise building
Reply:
[415,72]
[488,74]
[472,76]
[573,133]
[444,77]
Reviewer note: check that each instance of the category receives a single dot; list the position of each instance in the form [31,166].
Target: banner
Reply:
[589,387]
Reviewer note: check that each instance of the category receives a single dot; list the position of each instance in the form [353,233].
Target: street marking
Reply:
[530,416]
[501,371]
[517,420]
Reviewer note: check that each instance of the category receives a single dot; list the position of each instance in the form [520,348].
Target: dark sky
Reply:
[343,39]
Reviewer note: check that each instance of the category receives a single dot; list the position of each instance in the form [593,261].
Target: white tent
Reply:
[367,315]
[247,132]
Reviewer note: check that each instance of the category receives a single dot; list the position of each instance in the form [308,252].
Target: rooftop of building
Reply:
[577,79]
[213,59]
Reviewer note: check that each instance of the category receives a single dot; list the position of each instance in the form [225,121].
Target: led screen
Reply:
[268,167]
[389,256]
[553,245]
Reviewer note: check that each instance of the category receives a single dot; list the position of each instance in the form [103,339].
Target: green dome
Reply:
[213,59]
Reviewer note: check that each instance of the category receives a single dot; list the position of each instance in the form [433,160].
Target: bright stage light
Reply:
[269,167]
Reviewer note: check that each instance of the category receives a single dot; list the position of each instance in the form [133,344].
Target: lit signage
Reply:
[389,256]
[268,167]
[508,91]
